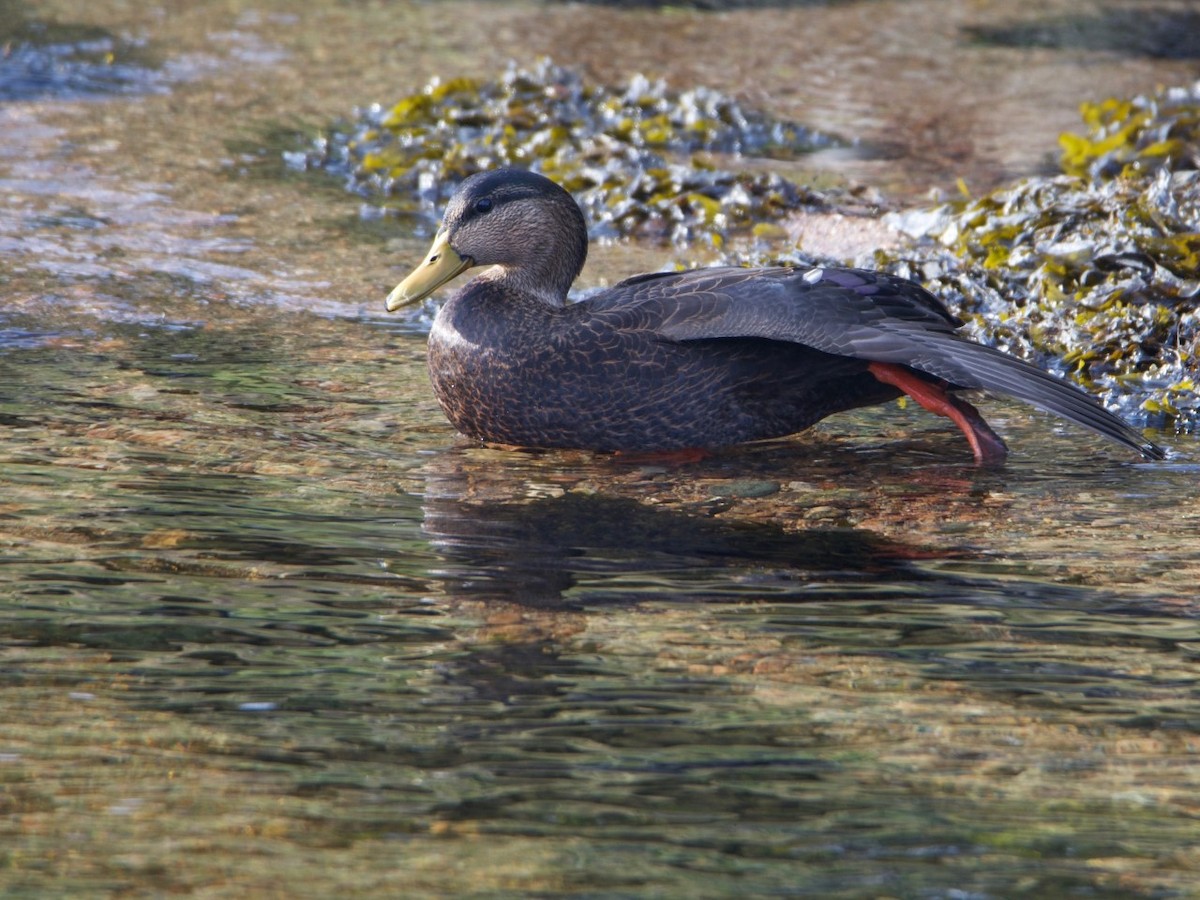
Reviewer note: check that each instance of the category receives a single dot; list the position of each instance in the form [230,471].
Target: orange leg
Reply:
[989,449]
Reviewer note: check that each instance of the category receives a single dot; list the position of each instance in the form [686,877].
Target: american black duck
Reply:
[688,360]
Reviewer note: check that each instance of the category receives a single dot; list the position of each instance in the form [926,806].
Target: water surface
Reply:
[270,628]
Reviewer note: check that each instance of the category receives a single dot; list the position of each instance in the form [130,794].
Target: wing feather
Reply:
[850,312]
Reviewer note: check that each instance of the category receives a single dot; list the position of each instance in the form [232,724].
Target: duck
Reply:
[688,361]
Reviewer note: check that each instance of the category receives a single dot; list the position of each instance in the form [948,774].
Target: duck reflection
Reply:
[584,549]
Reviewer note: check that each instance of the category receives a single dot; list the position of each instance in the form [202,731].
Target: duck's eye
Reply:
[483,205]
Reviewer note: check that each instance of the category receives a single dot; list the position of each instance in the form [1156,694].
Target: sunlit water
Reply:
[271,629]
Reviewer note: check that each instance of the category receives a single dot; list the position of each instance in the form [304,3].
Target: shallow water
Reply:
[271,629]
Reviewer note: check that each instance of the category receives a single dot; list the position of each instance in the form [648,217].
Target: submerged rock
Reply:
[42,59]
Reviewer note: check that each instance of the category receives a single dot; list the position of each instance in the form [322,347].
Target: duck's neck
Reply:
[552,256]
[542,285]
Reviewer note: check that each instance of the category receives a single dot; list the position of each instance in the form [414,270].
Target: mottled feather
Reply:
[696,359]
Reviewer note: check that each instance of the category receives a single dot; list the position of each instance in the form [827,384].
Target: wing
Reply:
[857,313]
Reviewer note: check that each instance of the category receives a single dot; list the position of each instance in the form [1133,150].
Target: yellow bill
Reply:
[441,264]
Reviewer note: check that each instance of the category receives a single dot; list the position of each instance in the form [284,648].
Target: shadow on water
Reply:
[1142,29]
[562,552]
[710,5]
[877,595]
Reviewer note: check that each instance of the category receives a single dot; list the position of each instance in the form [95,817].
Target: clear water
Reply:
[270,628]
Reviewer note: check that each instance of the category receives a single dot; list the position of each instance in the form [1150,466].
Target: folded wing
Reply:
[862,314]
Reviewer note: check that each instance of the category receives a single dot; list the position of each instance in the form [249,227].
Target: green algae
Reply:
[641,159]
[1094,272]
[1134,137]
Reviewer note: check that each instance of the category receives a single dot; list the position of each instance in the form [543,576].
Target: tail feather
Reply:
[978,367]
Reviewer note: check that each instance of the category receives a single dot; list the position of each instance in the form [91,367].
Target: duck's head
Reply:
[527,228]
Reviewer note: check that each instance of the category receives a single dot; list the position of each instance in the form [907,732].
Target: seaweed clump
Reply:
[640,159]
[1094,272]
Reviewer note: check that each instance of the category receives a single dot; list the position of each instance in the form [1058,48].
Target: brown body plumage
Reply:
[697,359]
